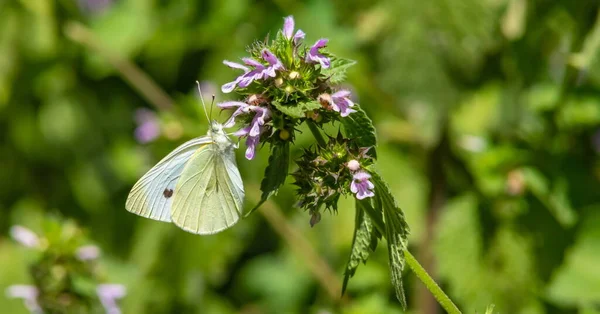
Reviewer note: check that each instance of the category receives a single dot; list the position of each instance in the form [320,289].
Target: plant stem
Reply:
[433,287]
[316,133]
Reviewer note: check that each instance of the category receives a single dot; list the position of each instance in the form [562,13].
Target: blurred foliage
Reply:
[492,105]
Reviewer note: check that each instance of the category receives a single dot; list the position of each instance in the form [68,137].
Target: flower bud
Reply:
[289,89]
[278,82]
[284,134]
[353,165]
[294,75]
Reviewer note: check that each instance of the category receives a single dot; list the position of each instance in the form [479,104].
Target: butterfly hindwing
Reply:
[209,195]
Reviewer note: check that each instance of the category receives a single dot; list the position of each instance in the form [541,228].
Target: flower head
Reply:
[361,186]
[25,236]
[288,30]
[108,295]
[314,55]
[29,295]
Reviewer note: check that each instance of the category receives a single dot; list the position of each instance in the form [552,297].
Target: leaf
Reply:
[396,233]
[337,70]
[297,110]
[275,173]
[577,280]
[364,241]
[358,126]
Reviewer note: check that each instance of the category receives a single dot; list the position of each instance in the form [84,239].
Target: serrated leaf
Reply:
[275,173]
[364,242]
[337,70]
[358,126]
[297,110]
[396,234]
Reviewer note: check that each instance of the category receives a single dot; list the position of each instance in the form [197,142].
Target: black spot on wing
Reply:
[167,193]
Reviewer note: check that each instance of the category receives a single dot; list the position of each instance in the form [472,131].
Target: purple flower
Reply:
[25,236]
[108,294]
[257,72]
[288,30]
[315,56]
[361,186]
[252,130]
[148,127]
[274,63]
[29,295]
[339,102]
[94,6]
[88,252]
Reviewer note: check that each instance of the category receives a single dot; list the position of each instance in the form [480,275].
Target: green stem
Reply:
[316,133]
[437,292]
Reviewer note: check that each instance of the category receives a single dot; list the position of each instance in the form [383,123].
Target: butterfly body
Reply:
[197,186]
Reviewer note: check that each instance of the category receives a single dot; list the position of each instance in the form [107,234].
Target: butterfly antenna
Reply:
[212,104]
[202,100]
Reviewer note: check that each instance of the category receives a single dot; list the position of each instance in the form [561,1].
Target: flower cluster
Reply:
[325,174]
[283,83]
[286,84]
[53,275]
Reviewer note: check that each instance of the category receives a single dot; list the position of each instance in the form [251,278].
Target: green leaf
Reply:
[396,233]
[297,110]
[337,70]
[275,173]
[364,241]
[358,126]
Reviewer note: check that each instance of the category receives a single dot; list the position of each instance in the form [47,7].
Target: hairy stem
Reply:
[316,133]
[431,285]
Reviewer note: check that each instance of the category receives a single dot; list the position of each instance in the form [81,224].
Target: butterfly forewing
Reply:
[152,195]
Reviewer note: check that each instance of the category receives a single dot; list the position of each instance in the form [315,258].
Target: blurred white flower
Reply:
[29,295]
[25,236]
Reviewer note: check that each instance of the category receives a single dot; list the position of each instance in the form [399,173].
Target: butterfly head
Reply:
[215,128]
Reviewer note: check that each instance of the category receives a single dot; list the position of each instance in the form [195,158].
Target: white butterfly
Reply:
[197,186]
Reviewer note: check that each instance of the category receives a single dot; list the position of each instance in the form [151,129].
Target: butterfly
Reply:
[197,186]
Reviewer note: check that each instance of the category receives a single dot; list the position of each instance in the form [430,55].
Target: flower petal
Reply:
[234,65]
[288,27]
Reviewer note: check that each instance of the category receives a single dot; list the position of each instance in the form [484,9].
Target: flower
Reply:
[88,252]
[108,294]
[314,55]
[148,127]
[258,72]
[29,295]
[274,63]
[252,130]
[339,102]
[361,186]
[25,236]
[288,30]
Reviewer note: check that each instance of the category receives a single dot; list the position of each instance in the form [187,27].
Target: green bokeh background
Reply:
[488,117]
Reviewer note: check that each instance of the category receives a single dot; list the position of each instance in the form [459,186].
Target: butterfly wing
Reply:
[152,195]
[210,194]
